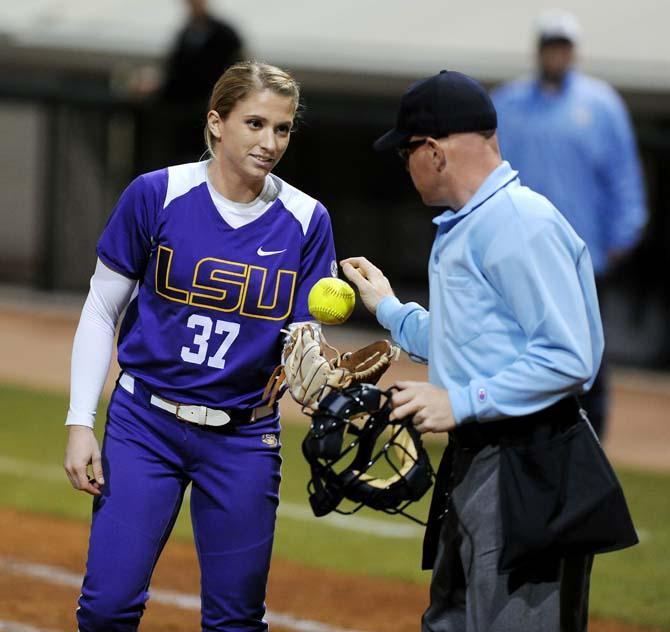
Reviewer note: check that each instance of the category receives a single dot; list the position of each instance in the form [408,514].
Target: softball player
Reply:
[211,260]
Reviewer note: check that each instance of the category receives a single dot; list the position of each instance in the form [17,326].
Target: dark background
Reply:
[92,143]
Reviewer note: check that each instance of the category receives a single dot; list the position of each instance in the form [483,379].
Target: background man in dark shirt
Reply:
[172,118]
[204,48]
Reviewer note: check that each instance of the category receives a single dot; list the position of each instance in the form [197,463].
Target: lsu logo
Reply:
[229,286]
[270,439]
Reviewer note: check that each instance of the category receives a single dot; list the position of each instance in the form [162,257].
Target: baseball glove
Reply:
[312,368]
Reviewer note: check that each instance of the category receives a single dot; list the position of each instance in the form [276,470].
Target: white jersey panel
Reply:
[183,178]
[299,204]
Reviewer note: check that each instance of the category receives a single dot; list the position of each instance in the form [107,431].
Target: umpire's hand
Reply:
[82,450]
[372,285]
[428,405]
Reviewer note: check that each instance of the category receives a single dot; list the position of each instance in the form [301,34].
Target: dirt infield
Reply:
[338,602]
[41,558]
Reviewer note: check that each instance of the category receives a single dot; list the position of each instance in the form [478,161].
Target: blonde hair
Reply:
[242,79]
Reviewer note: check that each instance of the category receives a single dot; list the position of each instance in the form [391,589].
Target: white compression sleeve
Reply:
[109,295]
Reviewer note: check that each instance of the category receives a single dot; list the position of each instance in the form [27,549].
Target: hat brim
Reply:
[391,140]
[556,38]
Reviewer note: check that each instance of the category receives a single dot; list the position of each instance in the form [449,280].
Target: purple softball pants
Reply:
[149,459]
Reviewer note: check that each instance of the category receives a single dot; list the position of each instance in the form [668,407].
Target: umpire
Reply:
[512,335]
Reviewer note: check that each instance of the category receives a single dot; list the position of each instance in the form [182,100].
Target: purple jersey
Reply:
[205,325]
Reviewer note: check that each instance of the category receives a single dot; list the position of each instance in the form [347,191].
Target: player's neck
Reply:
[232,186]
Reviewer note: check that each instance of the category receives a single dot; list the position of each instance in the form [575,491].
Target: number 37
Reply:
[201,340]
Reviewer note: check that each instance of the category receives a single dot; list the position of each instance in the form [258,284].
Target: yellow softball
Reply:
[331,301]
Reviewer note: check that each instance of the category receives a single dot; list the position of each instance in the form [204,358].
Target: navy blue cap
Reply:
[447,103]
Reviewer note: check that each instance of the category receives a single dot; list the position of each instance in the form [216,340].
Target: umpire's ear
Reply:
[214,124]
[438,155]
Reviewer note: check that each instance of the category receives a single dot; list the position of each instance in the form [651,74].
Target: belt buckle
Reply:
[192,413]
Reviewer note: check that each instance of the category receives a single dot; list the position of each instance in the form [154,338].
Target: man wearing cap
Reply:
[570,138]
[512,333]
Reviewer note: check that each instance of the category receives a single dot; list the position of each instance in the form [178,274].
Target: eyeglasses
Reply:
[405,151]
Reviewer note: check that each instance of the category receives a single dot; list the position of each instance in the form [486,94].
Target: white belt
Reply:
[192,413]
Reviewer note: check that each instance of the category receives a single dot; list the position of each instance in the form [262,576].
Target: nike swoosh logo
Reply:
[264,253]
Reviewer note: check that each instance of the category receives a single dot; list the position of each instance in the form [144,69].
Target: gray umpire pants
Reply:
[468,594]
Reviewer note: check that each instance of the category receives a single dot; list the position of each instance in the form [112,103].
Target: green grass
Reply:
[631,586]
[634,585]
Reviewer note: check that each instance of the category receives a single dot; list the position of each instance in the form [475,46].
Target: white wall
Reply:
[625,42]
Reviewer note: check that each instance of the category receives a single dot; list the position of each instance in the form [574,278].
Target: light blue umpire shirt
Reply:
[576,146]
[514,323]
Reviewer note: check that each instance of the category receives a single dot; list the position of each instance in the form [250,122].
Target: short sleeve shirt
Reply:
[205,325]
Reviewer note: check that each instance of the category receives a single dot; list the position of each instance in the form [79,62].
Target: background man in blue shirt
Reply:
[571,139]
[512,332]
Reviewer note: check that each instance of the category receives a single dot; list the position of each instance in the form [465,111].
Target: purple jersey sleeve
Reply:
[126,242]
[318,259]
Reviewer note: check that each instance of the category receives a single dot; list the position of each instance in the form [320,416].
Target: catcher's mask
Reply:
[387,477]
